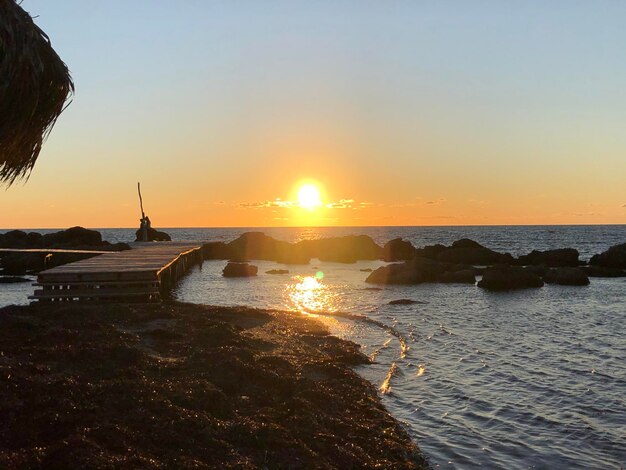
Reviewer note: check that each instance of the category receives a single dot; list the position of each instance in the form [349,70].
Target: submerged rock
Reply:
[614,257]
[398,250]
[277,271]
[551,258]
[403,302]
[504,277]
[239,270]
[566,276]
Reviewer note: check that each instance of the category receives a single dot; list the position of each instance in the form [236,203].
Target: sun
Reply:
[309,197]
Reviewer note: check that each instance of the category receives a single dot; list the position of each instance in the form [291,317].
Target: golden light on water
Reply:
[309,294]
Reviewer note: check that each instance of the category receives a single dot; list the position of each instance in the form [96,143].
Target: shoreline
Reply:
[156,385]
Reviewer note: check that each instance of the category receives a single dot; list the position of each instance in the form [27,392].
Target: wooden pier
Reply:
[144,273]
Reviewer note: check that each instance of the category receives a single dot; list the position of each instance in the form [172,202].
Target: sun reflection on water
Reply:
[309,294]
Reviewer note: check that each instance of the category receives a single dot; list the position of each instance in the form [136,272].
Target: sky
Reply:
[400,112]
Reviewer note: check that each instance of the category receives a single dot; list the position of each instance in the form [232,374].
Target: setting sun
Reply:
[309,197]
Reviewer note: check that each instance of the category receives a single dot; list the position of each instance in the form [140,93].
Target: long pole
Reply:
[140,200]
[144,227]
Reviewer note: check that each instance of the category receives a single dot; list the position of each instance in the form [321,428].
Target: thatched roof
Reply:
[34,87]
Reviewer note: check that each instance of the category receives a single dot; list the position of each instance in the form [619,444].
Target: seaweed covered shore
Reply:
[186,386]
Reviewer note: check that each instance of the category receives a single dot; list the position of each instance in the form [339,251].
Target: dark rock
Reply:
[614,257]
[430,251]
[290,254]
[566,276]
[366,270]
[464,276]
[153,236]
[18,264]
[277,271]
[216,250]
[539,270]
[398,250]
[403,302]
[600,271]
[14,239]
[394,274]
[239,270]
[257,245]
[348,249]
[418,270]
[504,277]
[464,251]
[12,279]
[466,243]
[75,236]
[551,258]
[467,251]
[254,245]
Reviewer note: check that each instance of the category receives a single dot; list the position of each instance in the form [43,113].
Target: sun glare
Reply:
[309,197]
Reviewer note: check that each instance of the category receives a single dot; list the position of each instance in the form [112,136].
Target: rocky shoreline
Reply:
[186,386]
[459,263]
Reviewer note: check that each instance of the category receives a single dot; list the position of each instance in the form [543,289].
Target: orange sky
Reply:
[413,115]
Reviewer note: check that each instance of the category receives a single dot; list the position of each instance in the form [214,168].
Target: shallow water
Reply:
[528,379]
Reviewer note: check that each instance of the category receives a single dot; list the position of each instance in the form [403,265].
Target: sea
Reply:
[529,379]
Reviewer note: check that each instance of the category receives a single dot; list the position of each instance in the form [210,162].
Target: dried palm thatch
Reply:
[34,87]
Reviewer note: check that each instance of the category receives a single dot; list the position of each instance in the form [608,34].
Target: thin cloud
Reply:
[279,203]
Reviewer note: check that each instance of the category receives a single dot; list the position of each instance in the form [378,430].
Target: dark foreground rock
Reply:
[614,257]
[239,270]
[551,258]
[419,270]
[566,277]
[186,386]
[504,277]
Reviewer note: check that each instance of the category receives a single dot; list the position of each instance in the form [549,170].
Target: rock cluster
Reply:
[234,269]
[419,270]
[76,238]
[614,257]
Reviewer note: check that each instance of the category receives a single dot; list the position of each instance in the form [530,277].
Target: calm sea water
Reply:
[527,379]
